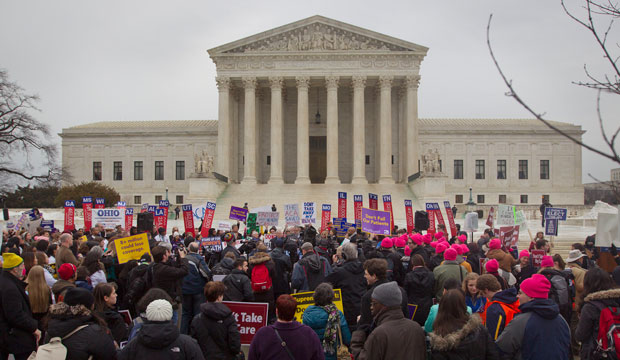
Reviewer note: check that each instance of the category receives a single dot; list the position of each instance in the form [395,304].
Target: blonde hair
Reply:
[38,291]
[471,276]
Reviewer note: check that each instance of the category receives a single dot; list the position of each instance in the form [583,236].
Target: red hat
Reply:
[495,244]
[450,254]
[464,248]
[447,244]
[434,244]
[438,235]
[547,261]
[407,251]
[427,238]
[400,241]
[66,271]
[387,243]
[524,253]
[417,239]
[440,248]
[462,238]
[492,266]
[457,247]
[536,286]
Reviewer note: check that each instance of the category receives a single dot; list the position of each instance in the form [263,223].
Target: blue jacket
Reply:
[495,314]
[197,276]
[316,318]
[538,332]
[478,305]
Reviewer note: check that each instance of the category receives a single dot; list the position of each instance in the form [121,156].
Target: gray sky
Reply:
[147,60]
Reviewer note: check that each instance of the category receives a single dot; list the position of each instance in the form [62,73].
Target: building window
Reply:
[268,159]
[137,170]
[501,169]
[118,170]
[502,199]
[137,199]
[458,169]
[97,170]
[159,170]
[367,159]
[523,169]
[480,199]
[180,170]
[545,198]
[392,159]
[523,199]
[544,169]
[479,169]
[440,166]
[458,199]
[179,199]
[158,198]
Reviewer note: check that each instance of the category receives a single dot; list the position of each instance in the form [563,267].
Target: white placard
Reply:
[224,226]
[309,213]
[267,218]
[607,231]
[109,218]
[291,214]
[471,222]
[520,219]
[505,215]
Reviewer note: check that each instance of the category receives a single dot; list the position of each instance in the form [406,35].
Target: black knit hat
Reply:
[79,296]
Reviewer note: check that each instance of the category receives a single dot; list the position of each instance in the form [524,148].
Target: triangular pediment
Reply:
[318,34]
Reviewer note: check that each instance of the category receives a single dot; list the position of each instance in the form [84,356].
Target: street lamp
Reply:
[470,204]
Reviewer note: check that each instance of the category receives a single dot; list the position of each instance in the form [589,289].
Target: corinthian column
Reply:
[303,135]
[249,131]
[385,137]
[276,130]
[359,127]
[223,126]
[331,82]
[411,128]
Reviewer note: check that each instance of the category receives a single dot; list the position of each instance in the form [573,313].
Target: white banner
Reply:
[520,219]
[309,213]
[109,218]
[607,230]
[267,218]
[291,214]
[224,226]
[505,215]
[471,222]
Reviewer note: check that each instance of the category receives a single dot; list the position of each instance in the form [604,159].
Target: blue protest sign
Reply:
[555,213]
[551,227]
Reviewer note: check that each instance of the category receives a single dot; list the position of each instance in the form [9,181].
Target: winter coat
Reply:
[578,274]
[224,267]
[505,260]
[197,276]
[349,278]
[495,314]
[301,340]
[238,286]
[365,313]
[116,324]
[472,342]
[537,333]
[228,249]
[477,304]
[435,261]
[398,271]
[525,273]
[394,337]
[473,259]
[311,265]
[161,340]
[167,277]
[432,314]
[449,269]
[60,286]
[283,270]
[316,318]
[91,340]
[265,296]
[16,322]
[419,284]
[419,250]
[587,328]
[65,255]
[215,329]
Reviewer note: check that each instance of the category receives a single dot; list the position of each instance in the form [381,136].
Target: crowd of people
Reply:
[422,295]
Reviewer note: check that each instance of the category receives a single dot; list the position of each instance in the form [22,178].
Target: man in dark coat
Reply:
[283,268]
[238,284]
[168,275]
[18,329]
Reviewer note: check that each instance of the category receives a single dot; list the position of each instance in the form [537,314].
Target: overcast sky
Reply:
[146,60]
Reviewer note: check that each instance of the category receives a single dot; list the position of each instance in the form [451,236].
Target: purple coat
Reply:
[301,340]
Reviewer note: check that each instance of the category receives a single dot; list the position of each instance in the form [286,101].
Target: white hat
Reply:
[574,255]
[159,310]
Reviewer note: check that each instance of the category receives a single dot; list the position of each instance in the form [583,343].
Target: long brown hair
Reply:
[38,291]
[100,291]
[452,313]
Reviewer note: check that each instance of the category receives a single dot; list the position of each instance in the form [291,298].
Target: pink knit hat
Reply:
[438,235]
[387,243]
[417,239]
[492,266]
[536,287]
[440,248]
[464,249]
[450,254]
[427,238]
[495,244]
[457,247]
[462,238]
[434,244]
[524,253]
[407,251]
[400,241]
[547,261]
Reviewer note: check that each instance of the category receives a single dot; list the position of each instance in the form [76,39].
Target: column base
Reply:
[275,180]
[359,181]
[302,180]
[386,180]
[332,180]
[249,180]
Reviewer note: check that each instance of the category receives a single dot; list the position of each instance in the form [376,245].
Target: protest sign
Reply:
[121,205]
[555,213]
[267,218]
[47,225]
[438,215]
[291,214]
[450,216]
[158,219]
[132,247]
[505,215]
[249,317]
[412,310]
[165,204]
[520,219]
[305,299]
[99,203]
[267,238]
[537,256]
[69,215]
[341,226]
[551,227]
[128,218]
[376,221]
[430,210]
[471,222]
[251,223]
[188,219]
[145,208]
[358,202]
[409,214]
[607,230]
[208,219]
[509,235]
[342,204]
[309,213]
[213,244]
[373,201]
[491,217]
[151,209]
[237,213]
[326,213]
[224,226]
[387,206]
[19,223]
[87,206]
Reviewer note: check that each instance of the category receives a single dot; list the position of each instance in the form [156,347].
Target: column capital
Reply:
[276,82]
[385,81]
[302,82]
[358,81]
[223,83]
[331,82]
[412,82]
[249,82]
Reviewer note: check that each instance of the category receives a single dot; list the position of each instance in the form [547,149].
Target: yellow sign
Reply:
[83,239]
[132,248]
[305,299]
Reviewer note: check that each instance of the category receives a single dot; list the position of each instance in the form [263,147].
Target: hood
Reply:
[158,334]
[545,308]
[508,296]
[550,272]
[312,260]
[227,263]
[421,276]
[259,258]
[65,318]
[353,266]
[612,294]
[315,317]
[453,340]
[216,311]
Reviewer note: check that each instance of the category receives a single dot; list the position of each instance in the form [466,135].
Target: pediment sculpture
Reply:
[203,163]
[430,162]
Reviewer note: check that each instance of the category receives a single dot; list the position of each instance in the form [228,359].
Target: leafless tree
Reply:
[23,137]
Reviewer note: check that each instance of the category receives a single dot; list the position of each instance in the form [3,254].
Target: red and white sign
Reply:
[145,208]
[69,215]
[326,214]
[208,219]
[430,211]
[387,206]
[342,204]
[450,216]
[99,203]
[249,316]
[87,207]
[358,202]
[509,235]
[188,220]
[158,219]
[128,218]
[409,214]
[373,201]
[537,256]
[164,204]
[438,215]
[121,205]
[491,217]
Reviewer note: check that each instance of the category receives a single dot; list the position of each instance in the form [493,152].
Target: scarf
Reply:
[331,329]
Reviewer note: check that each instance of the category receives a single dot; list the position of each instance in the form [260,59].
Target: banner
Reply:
[387,206]
[188,220]
[212,244]
[309,213]
[326,214]
[251,224]
[121,205]
[491,217]
[267,218]
[128,218]
[237,213]
[305,299]
[48,225]
[208,219]
[505,215]
[342,204]
[439,215]
[430,210]
[99,203]
[132,247]
[145,208]
[165,204]
[409,214]
[555,213]
[373,201]
[151,209]
[607,230]
[376,221]
[250,317]
[509,235]
[358,202]
[450,216]
[69,215]
[158,219]
[291,214]
[87,206]
[108,218]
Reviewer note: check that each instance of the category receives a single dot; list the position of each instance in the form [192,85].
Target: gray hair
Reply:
[166,245]
[350,250]
[323,294]
[97,250]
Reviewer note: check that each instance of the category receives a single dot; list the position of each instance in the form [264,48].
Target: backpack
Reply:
[559,291]
[55,349]
[261,281]
[608,339]
[140,285]
[315,277]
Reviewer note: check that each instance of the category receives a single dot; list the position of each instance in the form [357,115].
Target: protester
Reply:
[283,267]
[231,247]
[505,260]
[238,284]
[29,260]
[141,305]
[67,275]
[193,285]
[574,264]
[501,306]
[105,307]
[225,266]
[64,253]
[168,275]
[560,286]
[473,299]
[492,268]
[48,271]
[416,244]
[449,269]
[95,267]
[39,294]
[395,270]
[310,271]
[419,283]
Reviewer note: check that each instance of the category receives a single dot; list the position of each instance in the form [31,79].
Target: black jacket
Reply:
[116,324]
[587,328]
[419,250]
[366,315]
[161,340]
[216,331]
[472,341]
[238,286]
[419,284]
[349,278]
[91,340]
[228,249]
[398,271]
[16,322]
[283,268]
[168,277]
[224,267]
